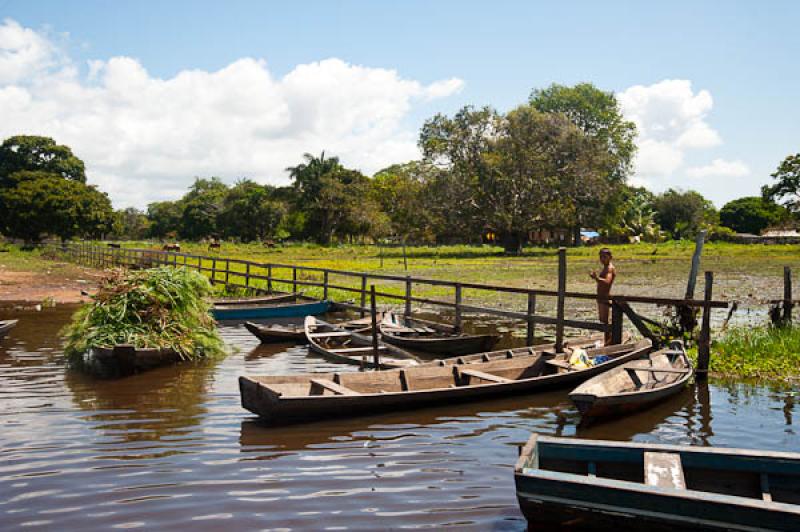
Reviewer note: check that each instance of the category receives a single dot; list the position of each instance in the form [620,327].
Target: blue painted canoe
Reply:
[281,310]
[597,484]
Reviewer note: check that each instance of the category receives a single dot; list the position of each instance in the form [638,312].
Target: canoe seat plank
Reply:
[484,376]
[330,334]
[358,349]
[338,389]
[663,470]
[659,370]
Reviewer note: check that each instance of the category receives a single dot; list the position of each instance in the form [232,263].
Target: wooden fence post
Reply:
[562,288]
[698,251]
[213,270]
[788,306]
[531,332]
[408,296]
[704,340]
[227,271]
[616,324]
[269,278]
[294,279]
[458,308]
[325,285]
[363,294]
[374,311]
[247,275]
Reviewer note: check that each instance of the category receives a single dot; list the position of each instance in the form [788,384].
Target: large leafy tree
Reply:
[638,214]
[164,218]
[251,212]
[683,213]
[401,191]
[787,189]
[752,214]
[130,224]
[42,203]
[597,113]
[200,208]
[38,154]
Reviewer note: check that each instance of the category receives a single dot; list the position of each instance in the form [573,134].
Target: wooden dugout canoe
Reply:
[276,333]
[290,398]
[6,325]
[124,360]
[349,347]
[265,300]
[430,337]
[597,485]
[270,310]
[635,385]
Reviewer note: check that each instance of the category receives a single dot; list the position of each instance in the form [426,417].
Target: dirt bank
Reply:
[59,282]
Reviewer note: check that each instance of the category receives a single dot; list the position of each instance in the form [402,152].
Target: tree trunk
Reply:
[513,242]
[576,236]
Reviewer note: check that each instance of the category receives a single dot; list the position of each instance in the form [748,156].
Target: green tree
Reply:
[38,154]
[43,203]
[752,214]
[638,214]
[401,191]
[130,224]
[597,113]
[250,212]
[165,218]
[683,213]
[787,189]
[200,208]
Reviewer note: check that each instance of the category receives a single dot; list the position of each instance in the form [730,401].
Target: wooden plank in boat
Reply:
[658,370]
[329,334]
[338,389]
[559,364]
[358,349]
[663,470]
[484,376]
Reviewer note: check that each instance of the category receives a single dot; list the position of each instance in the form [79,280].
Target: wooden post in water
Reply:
[363,294]
[374,311]
[458,308]
[531,332]
[704,340]
[787,295]
[325,286]
[616,324]
[698,251]
[408,296]
[562,288]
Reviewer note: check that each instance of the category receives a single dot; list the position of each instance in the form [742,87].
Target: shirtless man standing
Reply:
[604,279]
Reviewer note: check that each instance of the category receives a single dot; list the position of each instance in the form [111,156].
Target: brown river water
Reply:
[173,449]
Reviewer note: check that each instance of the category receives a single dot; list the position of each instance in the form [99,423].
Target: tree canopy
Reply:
[787,189]
[752,214]
[683,213]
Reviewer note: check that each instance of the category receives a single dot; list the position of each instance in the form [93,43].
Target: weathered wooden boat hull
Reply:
[122,360]
[276,333]
[391,356]
[604,396]
[6,325]
[457,345]
[274,407]
[291,310]
[431,337]
[723,487]
[265,300]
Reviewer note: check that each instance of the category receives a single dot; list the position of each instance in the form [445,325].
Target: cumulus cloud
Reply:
[672,121]
[719,168]
[145,138]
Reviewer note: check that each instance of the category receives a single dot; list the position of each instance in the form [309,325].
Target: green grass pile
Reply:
[765,352]
[157,308]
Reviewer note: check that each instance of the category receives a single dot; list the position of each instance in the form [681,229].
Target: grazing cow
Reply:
[171,247]
[113,245]
[269,243]
[214,244]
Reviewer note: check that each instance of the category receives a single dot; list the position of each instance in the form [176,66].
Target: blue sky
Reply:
[714,83]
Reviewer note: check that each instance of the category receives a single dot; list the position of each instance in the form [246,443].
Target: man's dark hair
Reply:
[606,251]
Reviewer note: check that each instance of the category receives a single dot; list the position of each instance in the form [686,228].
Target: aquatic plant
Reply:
[761,352]
[156,308]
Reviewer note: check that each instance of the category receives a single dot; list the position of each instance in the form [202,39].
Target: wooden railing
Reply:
[266,277]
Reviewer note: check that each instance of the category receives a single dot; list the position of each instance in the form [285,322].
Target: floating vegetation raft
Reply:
[162,308]
[765,352]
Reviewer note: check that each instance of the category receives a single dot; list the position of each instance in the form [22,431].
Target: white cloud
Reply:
[671,120]
[144,138]
[720,168]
